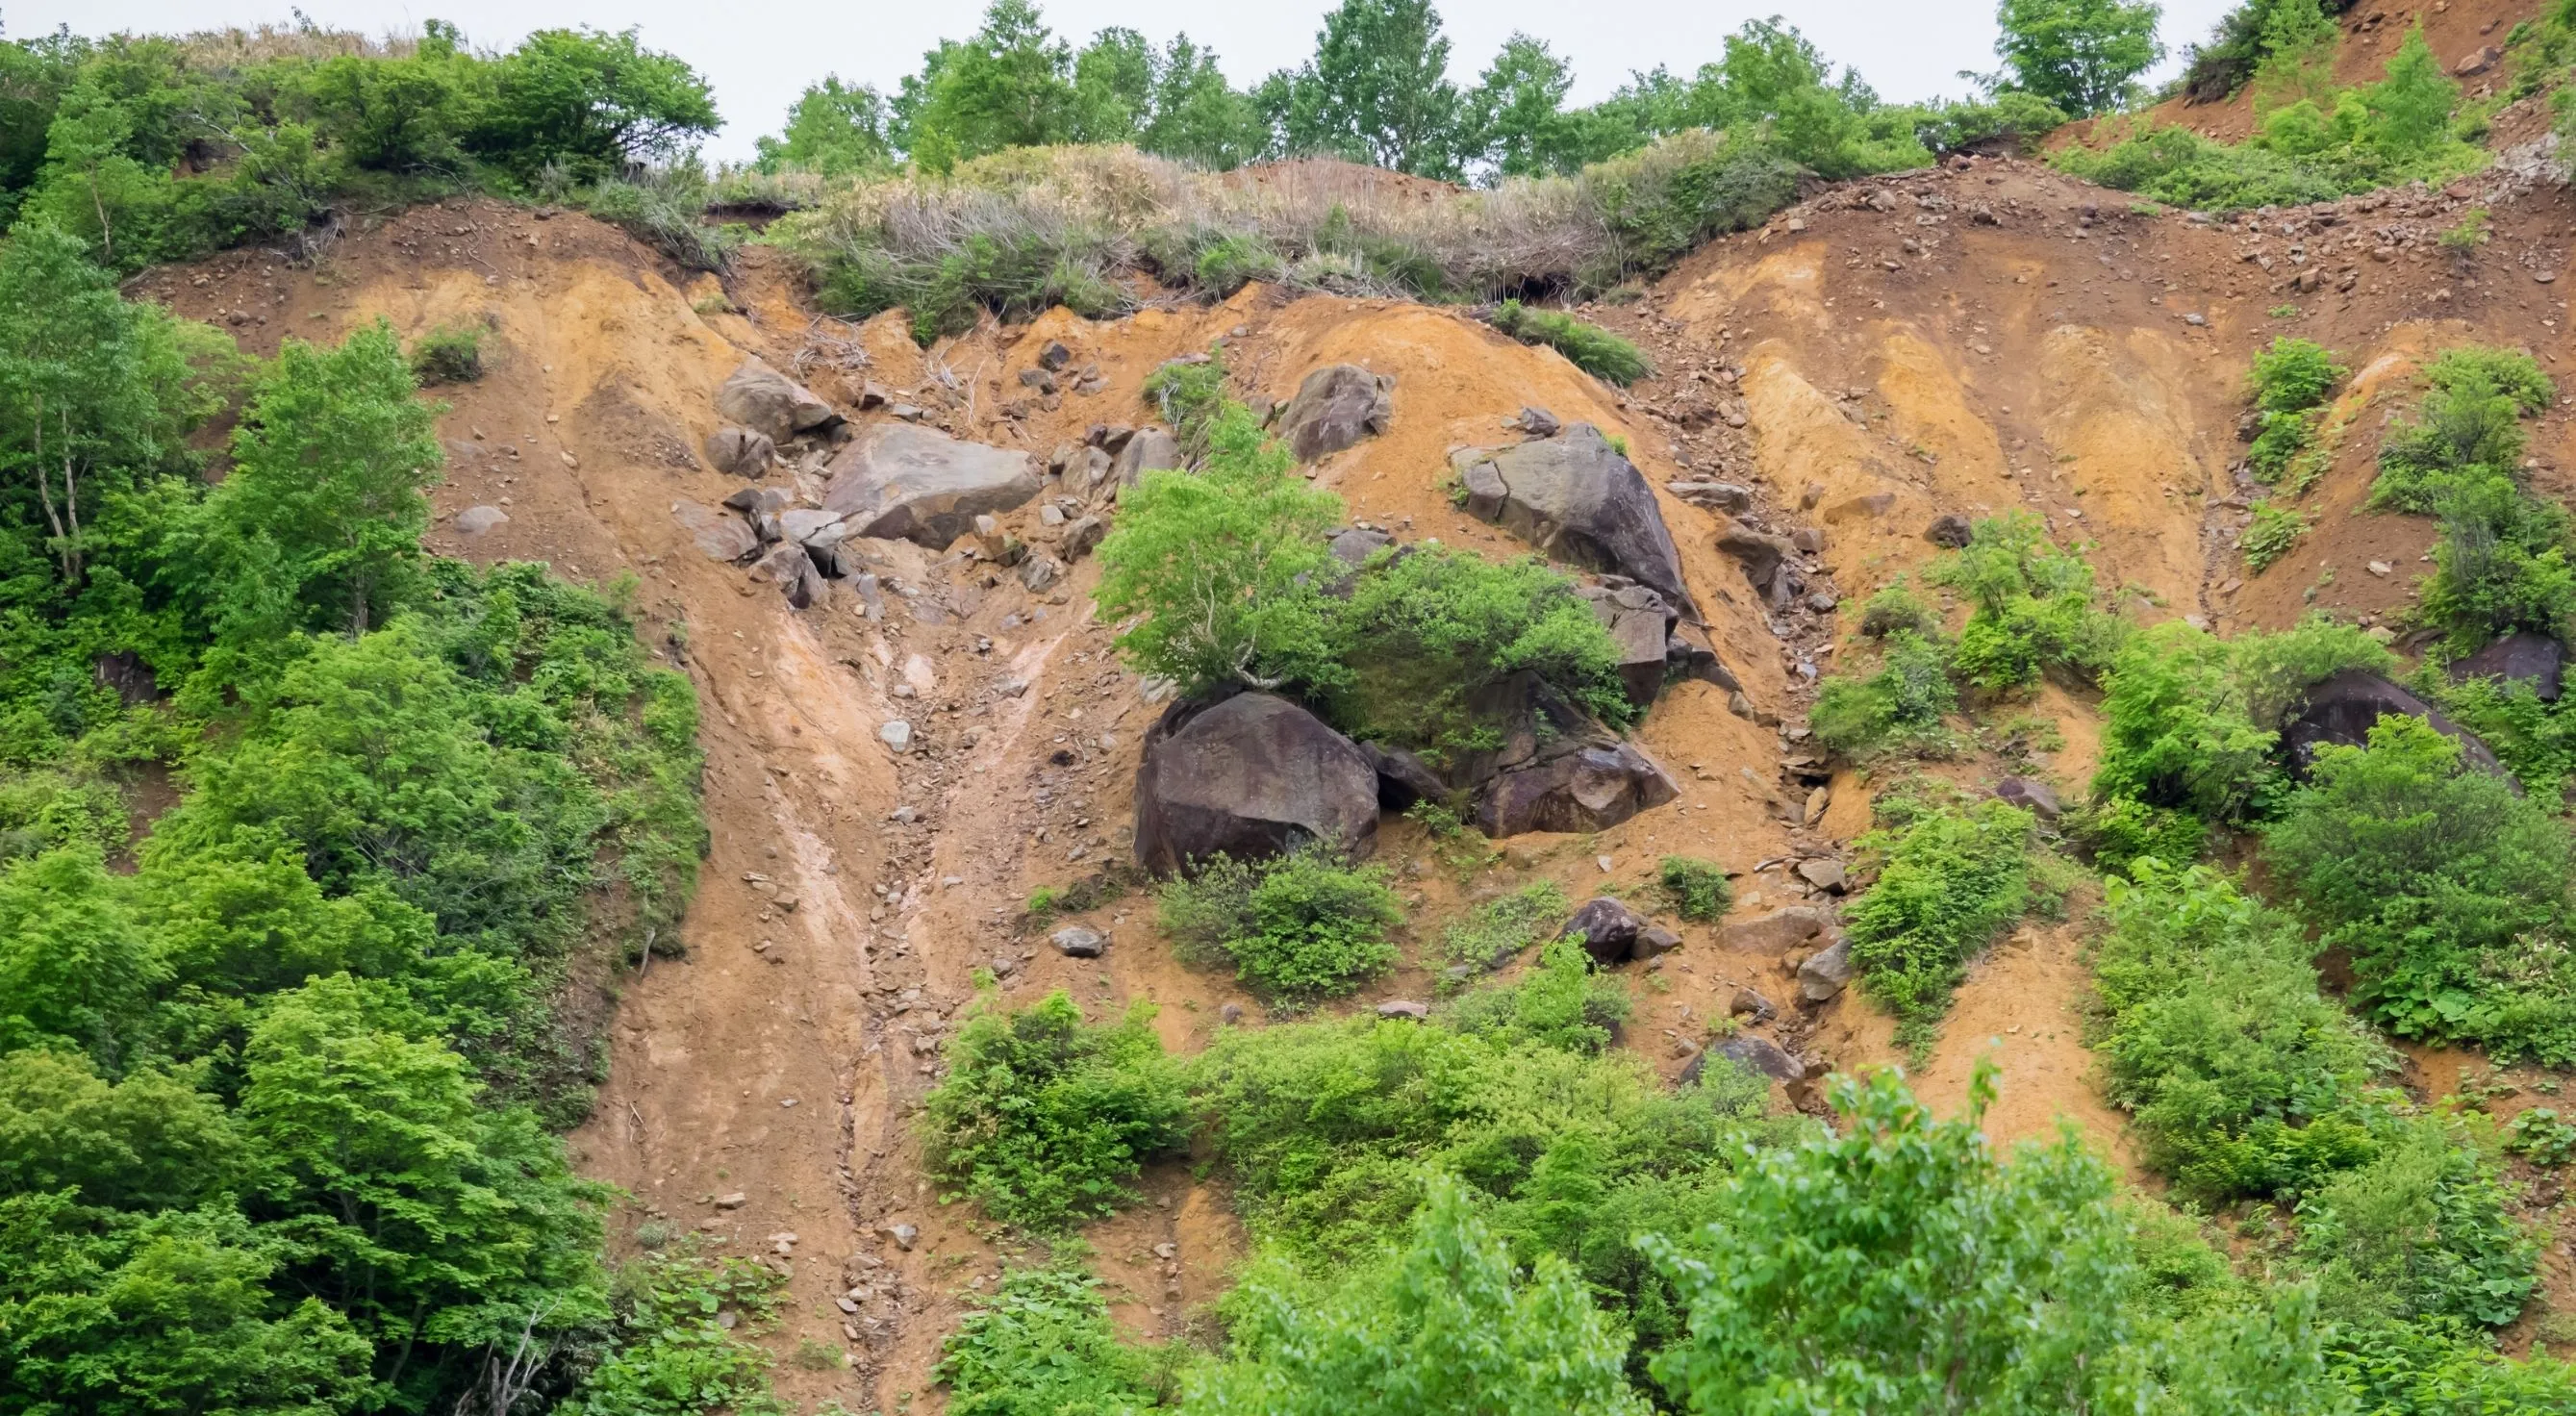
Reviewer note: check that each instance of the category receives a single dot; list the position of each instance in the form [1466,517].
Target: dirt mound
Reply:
[1952,342]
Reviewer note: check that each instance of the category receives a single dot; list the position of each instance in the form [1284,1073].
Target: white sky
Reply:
[760,56]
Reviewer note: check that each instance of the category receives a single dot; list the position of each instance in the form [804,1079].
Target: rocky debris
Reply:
[1402,778]
[1075,941]
[1748,1003]
[1766,558]
[2521,657]
[763,507]
[1775,933]
[897,479]
[896,734]
[479,520]
[1249,775]
[1404,1008]
[1824,873]
[2037,798]
[1150,450]
[1554,768]
[2476,61]
[740,451]
[793,571]
[1537,422]
[1040,571]
[1826,972]
[1354,545]
[1608,929]
[903,1235]
[1949,531]
[2341,709]
[1576,498]
[720,535]
[1081,536]
[1716,496]
[1336,406]
[1054,356]
[771,404]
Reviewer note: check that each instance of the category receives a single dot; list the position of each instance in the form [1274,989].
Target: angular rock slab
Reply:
[719,534]
[769,403]
[740,451]
[902,480]
[1335,407]
[1250,776]
[1555,769]
[1575,498]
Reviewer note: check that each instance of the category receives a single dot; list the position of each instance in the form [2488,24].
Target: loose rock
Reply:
[1336,406]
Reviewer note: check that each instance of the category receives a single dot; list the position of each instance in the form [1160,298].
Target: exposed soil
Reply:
[1958,341]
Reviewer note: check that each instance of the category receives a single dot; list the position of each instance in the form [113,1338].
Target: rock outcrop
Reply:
[899,479]
[1336,406]
[2522,657]
[1574,497]
[2341,709]
[719,534]
[771,404]
[1250,775]
[1556,769]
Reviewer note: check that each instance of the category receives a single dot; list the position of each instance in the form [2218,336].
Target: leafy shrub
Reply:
[2243,1078]
[1949,880]
[2446,887]
[666,209]
[1561,1003]
[1495,931]
[2031,605]
[1045,1119]
[2539,1136]
[1447,1323]
[2467,431]
[1301,925]
[1698,889]
[2270,535]
[1896,608]
[1897,709]
[2422,1235]
[1592,349]
[1043,1342]
[448,354]
[2293,375]
[1229,263]
[2501,564]
[2535,740]
[1421,636]
[2117,832]
[671,1352]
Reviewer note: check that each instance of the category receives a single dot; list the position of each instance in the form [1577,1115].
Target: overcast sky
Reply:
[760,56]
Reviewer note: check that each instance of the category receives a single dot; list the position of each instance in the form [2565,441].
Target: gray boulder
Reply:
[1827,973]
[1762,555]
[771,404]
[1688,654]
[1949,531]
[2521,657]
[1537,421]
[1150,450]
[1716,496]
[2341,709]
[1775,933]
[740,451]
[2037,798]
[1607,928]
[479,520]
[1250,775]
[719,534]
[1644,644]
[1335,407]
[1576,499]
[794,573]
[1757,1055]
[1353,546]
[1076,942]
[900,479]
[765,508]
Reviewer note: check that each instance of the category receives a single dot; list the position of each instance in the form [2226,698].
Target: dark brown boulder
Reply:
[1577,498]
[2522,657]
[1758,1055]
[1249,776]
[1335,407]
[1608,929]
[1555,769]
[2341,709]
[1402,778]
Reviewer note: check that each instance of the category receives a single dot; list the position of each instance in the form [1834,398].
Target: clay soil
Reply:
[1960,341]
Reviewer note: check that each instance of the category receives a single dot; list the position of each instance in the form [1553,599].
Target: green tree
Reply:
[835,130]
[394,115]
[590,102]
[1378,90]
[1516,112]
[1008,85]
[1197,116]
[2082,55]
[73,967]
[2410,109]
[151,1141]
[1113,87]
[1446,1326]
[322,515]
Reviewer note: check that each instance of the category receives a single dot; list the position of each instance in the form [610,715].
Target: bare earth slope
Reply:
[1952,342]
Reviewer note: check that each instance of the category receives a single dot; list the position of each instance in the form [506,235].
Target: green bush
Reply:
[1495,931]
[2468,430]
[1698,889]
[2290,382]
[2116,832]
[670,1350]
[1895,608]
[2270,535]
[1042,1343]
[2445,886]
[2422,1236]
[1229,263]
[1948,881]
[2540,1137]
[2501,564]
[2535,740]
[448,354]
[666,209]
[1592,349]
[1560,1003]
[1298,926]
[2031,606]
[2293,375]
[1044,1119]
[1899,708]
[2241,1076]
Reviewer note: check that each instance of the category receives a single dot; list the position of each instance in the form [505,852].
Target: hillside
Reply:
[1964,341]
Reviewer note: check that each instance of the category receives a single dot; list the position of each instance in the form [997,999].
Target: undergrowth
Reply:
[1588,347]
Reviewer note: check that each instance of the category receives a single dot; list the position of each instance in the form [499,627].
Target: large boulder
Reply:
[1576,498]
[1607,928]
[1335,407]
[794,573]
[2521,657]
[769,403]
[741,451]
[1553,768]
[1150,450]
[1251,775]
[900,479]
[2341,709]
[719,534]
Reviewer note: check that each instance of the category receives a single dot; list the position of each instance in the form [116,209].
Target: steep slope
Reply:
[1959,341]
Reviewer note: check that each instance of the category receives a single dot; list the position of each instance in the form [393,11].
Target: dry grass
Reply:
[238,48]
